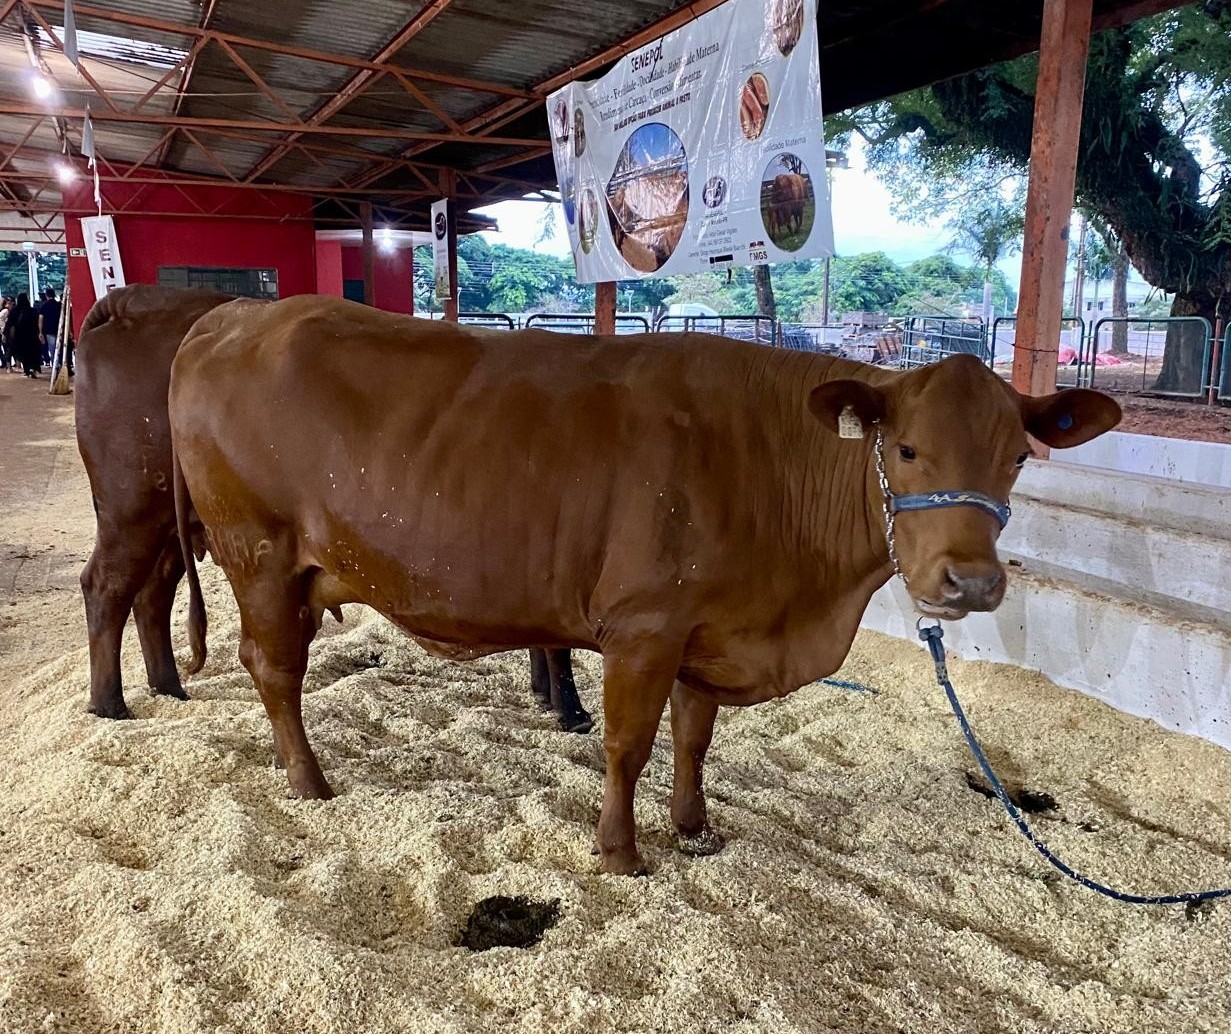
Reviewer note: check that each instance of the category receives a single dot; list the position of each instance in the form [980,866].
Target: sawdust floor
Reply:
[155,876]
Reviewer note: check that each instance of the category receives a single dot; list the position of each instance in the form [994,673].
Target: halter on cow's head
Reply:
[948,442]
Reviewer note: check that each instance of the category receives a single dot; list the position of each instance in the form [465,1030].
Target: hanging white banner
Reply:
[701,150]
[103,252]
[440,249]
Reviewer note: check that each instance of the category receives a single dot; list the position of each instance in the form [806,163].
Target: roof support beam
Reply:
[508,110]
[8,107]
[1050,194]
[307,54]
[359,82]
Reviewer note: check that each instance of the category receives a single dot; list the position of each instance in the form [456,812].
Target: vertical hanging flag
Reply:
[70,35]
[87,149]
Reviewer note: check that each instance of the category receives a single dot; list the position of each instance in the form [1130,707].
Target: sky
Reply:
[862,221]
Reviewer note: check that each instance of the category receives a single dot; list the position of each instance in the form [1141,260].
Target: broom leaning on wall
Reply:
[59,364]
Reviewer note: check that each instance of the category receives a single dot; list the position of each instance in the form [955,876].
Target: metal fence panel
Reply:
[1073,358]
[496,320]
[583,322]
[1224,375]
[1140,367]
[928,339]
[762,330]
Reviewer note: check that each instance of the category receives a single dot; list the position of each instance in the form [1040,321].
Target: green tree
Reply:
[868,282]
[988,230]
[15,277]
[1157,92]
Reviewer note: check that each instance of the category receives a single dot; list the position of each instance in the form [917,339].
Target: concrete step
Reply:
[1149,540]
[1137,658]
[1120,587]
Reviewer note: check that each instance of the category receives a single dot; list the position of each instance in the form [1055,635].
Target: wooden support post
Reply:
[448,187]
[605,307]
[1049,199]
[369,253]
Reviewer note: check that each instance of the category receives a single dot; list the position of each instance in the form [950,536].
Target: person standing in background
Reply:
[7,360]
[48,324]
[21,336]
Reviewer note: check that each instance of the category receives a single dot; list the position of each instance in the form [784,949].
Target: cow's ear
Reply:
[849,408]
[1069,417]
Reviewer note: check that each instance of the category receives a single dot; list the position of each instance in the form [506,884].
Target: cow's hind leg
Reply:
[636,683]
[117,569]
[570,713]
[152,612]
[554,689]
[276,627]
[540,679]
[692,729]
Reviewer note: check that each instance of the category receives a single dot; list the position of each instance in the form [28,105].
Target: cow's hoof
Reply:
[579,722]
[310,789]
[705,843]
[624,863]
[116,710]
[174,691]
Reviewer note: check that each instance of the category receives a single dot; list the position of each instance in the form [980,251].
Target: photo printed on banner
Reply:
[701,150]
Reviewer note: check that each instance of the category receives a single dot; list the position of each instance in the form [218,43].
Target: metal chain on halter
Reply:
[886,496]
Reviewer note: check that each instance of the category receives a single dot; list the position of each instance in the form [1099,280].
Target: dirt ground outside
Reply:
[156,878]
[1171,418]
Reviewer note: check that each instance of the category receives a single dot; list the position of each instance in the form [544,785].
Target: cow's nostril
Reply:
[972,587]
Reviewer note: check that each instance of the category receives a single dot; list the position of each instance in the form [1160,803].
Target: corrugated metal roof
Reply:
[870,49]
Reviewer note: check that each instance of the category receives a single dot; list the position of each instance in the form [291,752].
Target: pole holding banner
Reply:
[103,253]
[701,150]
[442,233]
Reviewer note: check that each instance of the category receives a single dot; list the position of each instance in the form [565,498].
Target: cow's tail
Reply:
[196,603]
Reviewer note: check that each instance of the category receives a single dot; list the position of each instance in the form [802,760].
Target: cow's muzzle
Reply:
[964,588]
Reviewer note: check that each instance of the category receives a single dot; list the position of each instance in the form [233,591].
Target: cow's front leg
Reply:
[637,680]
[692,729]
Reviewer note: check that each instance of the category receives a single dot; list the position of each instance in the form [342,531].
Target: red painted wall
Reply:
[395,289]
[329,268]
[178,236]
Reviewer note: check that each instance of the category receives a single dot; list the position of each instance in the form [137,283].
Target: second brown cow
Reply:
[128,340]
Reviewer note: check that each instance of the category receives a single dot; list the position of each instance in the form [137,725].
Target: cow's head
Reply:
[955,427]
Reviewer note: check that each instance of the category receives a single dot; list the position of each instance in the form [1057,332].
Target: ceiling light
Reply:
[386,239]
[41,86]
[65,173]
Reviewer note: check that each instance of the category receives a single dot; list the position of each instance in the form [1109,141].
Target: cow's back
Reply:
[521,476]
[128,340]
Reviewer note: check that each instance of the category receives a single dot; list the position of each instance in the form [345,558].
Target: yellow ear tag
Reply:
[849,425]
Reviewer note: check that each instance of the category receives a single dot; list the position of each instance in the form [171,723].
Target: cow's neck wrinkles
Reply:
[831,511]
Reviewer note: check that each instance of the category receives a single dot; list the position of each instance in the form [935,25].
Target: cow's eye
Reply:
[906,452]
[1021,460]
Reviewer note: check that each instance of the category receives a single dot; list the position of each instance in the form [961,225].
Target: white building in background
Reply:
[1096,297]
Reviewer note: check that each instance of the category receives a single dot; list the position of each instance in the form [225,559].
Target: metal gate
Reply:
[1146,350]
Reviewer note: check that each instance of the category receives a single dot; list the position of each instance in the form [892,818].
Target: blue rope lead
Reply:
[857,687]
[932,636]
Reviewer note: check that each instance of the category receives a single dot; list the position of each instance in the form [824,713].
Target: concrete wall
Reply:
[1206,463]
[1120,586]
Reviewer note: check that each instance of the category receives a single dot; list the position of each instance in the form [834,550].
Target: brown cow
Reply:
[788,197]
[128,340]
[681,503]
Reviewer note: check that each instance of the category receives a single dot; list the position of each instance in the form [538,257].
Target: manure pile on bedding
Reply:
[155,877]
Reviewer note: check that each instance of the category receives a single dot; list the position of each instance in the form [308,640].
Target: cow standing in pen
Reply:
[128,340]
[708,514]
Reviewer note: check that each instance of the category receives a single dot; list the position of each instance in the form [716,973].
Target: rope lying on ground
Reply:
[932,636]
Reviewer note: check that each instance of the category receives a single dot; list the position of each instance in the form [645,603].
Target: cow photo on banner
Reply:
[701,150]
